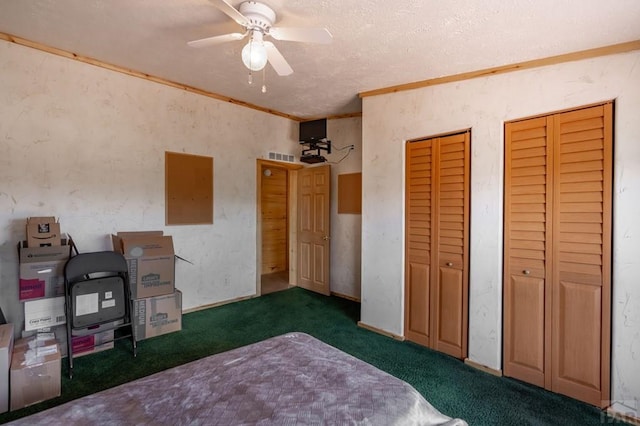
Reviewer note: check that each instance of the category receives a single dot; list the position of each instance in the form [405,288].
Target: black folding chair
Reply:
[97,298]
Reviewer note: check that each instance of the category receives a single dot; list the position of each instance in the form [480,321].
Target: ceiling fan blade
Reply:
[210,41]
[231,11]
[277,61]
[307,35]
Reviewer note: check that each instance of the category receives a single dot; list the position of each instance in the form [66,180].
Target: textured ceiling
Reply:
[376,44]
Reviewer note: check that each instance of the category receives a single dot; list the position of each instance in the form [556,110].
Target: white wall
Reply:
[345,228]
[87,145]
[484,104]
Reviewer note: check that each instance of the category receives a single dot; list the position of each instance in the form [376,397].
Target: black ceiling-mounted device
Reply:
[313,135]
[312,159]
[312,153]
[313,131]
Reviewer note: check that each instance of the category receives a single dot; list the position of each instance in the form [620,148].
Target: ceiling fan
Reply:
[257,20]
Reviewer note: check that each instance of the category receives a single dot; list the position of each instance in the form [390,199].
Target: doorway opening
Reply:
[276,239]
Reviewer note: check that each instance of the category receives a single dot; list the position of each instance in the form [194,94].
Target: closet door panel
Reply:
[527,230]
[526,349]
[582,254]
[579,331]
[418,299]
[418,242]
[451,207]
[450,311]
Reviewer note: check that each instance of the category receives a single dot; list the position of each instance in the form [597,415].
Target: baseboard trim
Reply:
[617,415]
[379,331]
[345,296]
[493,372]
[215,305]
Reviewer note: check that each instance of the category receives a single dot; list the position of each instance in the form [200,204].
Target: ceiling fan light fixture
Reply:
[254,54]
[258,21]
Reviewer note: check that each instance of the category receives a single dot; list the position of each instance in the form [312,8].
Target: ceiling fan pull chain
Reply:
[264,80]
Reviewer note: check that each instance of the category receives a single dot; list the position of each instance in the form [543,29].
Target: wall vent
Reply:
[278,156]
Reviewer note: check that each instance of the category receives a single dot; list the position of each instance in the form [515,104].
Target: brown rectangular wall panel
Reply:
[188,189]
[350,193]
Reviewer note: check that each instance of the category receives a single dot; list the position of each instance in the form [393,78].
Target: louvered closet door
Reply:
[582,254]
[557,277]
[418,241]
[437,229]
[452,224]
[527,225]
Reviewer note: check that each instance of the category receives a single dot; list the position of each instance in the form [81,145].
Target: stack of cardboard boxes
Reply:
[30,367]
[151,260]
[34,369]
[42,259]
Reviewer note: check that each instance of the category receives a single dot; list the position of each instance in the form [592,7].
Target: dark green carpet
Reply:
[451,386]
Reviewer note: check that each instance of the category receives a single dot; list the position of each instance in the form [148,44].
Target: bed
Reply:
[292,379]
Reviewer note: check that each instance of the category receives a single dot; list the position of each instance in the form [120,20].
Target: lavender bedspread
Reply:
[293,379]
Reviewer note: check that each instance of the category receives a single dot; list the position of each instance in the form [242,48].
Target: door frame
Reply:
[292,202]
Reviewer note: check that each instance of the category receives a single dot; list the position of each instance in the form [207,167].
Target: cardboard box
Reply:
[6,349]
[92,343]
[42,270]
[37,345]
[82,345]
[43,232]
[57,333]
[33,379]
[151,261]
[44,313]
[157,315]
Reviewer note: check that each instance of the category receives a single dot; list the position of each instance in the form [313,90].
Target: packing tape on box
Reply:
[35,356]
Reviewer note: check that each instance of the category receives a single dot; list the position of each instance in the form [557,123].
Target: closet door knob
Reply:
[526,272]
[449,264]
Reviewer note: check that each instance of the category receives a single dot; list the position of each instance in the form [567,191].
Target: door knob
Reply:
[449,264]
[326,237]
[526,272]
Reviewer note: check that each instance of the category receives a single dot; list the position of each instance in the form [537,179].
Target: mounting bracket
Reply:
[317,146]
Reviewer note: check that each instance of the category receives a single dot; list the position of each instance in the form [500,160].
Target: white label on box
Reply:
[86,304]
[44,336]
[108,294]
[47,350]
[44,313]
[108,303]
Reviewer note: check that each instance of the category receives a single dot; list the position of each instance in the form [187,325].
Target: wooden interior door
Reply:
[557,276]
[581,317]
[436,243]
[450,309]
[314,190]
[527,224]
[274,216]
